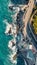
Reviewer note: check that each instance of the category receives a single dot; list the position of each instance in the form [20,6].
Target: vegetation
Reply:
[34,21]
[35,24]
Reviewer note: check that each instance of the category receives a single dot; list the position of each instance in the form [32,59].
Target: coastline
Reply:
[10,46]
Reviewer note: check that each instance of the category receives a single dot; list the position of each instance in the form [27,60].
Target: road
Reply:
[30,24]
[26,16]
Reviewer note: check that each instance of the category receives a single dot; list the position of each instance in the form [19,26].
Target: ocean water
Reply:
[5,14]
[4,39]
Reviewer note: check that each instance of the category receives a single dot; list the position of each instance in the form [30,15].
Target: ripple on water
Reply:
[4,39]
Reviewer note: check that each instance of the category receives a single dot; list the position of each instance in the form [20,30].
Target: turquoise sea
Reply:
[5,13]
[4,39]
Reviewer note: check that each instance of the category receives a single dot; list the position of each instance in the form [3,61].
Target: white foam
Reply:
[6,22]
[14,30]
[14,17]
[11,58]
[10,26]
[17,9]
[12,48]
[7,29]
[14,51]
[10,4]
[10,44]
[7,26]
